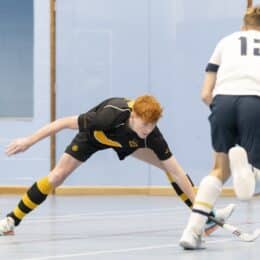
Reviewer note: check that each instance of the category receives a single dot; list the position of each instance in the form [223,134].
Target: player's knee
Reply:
[57,177]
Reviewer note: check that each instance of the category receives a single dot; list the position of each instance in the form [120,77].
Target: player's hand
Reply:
[17,146]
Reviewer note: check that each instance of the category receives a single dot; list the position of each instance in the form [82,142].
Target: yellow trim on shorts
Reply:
[102,138]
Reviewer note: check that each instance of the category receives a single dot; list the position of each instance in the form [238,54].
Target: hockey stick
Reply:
[243,236]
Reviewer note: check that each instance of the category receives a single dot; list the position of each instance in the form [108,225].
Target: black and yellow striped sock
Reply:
[31,199]
[179,191]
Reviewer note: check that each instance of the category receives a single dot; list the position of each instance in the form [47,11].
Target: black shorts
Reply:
[236,120]
[81,148]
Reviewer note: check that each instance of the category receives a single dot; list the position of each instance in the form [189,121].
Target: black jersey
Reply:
[106,126]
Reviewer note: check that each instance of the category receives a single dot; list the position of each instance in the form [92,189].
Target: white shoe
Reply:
[191,240]
[224,213]
[221,214]
[241,170]
[6,226]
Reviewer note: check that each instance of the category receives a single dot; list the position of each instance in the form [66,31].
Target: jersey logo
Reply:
[133,143]
[75,148]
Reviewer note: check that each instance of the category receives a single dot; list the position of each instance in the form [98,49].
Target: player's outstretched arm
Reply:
[22,144]
[173,168]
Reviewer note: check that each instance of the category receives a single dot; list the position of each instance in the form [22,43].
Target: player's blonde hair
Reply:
[148,108]
[252,16]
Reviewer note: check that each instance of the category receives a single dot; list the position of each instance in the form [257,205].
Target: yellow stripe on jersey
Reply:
[103,139]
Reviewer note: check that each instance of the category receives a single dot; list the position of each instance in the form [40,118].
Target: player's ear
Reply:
[133,114]
[131,118]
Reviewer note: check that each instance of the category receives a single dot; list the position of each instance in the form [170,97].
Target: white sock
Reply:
[209,190]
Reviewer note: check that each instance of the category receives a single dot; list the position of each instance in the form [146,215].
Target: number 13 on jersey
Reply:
[244,47]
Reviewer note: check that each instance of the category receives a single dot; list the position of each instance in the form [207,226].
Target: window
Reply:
[16,58]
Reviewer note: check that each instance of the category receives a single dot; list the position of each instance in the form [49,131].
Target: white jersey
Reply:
[237,58]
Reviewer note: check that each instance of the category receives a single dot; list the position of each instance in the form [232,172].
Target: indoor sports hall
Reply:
[60,58]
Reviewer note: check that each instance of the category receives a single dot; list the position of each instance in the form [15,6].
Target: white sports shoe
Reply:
[224,213]
[6,226]
[241,170]
[191,240]
[221,214]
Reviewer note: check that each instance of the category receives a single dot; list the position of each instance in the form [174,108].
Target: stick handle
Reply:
[226,226]
[218,222]
[246,237]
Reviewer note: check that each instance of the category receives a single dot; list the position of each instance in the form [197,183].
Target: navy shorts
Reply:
[236,120]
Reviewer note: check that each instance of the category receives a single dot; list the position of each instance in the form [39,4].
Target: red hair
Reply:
[148,108]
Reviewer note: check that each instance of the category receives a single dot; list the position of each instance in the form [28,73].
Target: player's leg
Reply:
[38,192]
[244,159]
[208,192]
[77,152]
[223,136]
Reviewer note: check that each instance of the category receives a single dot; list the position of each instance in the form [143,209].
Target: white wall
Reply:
[126,48]
[123,48]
